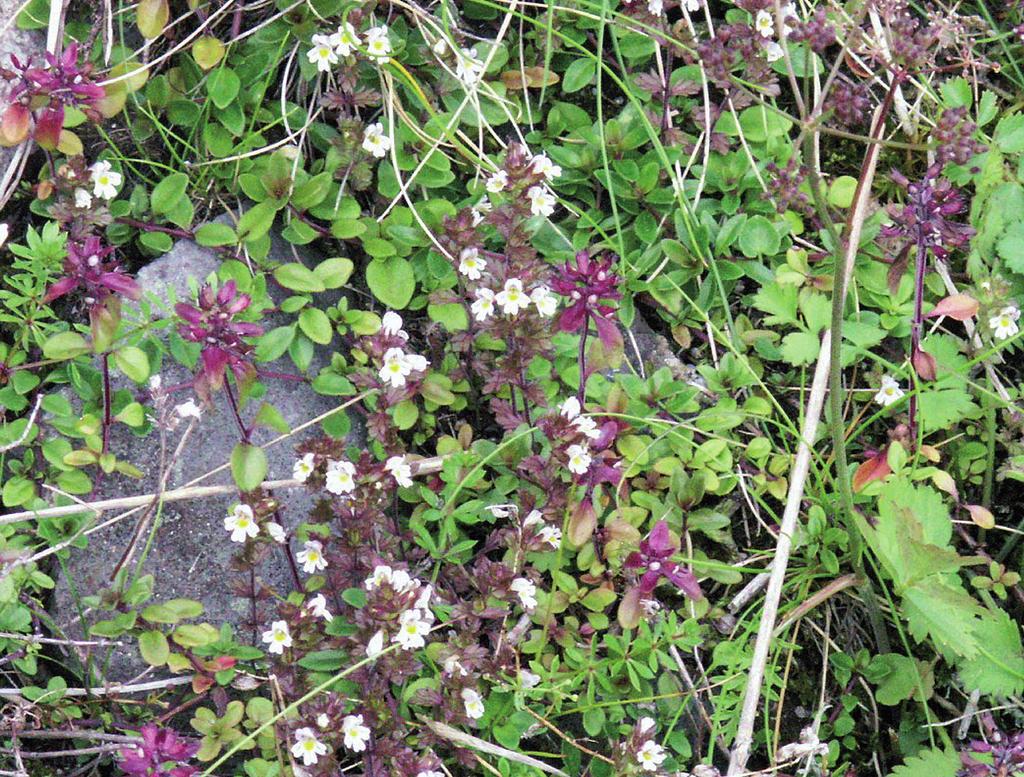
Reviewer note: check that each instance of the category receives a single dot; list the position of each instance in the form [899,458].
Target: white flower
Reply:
[650,607]
[105,180]
[398,365]
[399,470]
[375,141]
[542,165]
[579,459]
[587,426]
[345,39]
[528,679]
[391,324]
[470,263]
[546,302]
[322,720]
[422,602]
[691,5]
[440,47]
[512,298]
[773,51]
[381,574]
[188,409]
[764,24]
[303,468]
[468,68]
[534,518]
[474,703]
[318,606]
[542,202]
[241,524]
[501,511]
[278,637]
[375,645]
[378,45]
[308,747]
[453,665]
[5,231]
[82,198]
[570,408]
[526,591]
[356,734]
[650,756]
[412,629]
[483,305]
[655,7]
[276,531]
[323,53]
[1004,325]
[340,477]
[312,557]
[479,209]
[497,182]
[401,581]
[552,535]
[429,773]
[889,392]
[645,724]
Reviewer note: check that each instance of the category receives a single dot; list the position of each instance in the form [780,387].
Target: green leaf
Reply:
[270,417]
[334,273]
[133,362]
[929,763]
[841,191]
[800,348]
[223,85]
[950,617]
[154,648]
[214,234]
[298,277]
[759,238]
[64,345]
[1009,137]
[248,466]
[998,669]
[354,596]
[172,611]
[256,222]
[1010,247]
[18,491]
[315,325]
[273,344]
[324,660]
[168,193]
[392,281]
[578,75]
[452,316]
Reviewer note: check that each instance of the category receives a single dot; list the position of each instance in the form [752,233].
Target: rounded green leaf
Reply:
[154,648]
[216,234]
[315,325]
[133,362]
[248,466]
[64,345]
[168,193]
[392,281]
[297,277]
[759,238]
[223,86]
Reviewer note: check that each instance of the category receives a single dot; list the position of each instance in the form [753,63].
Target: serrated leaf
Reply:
[935,609]
[929,763]
[998,669]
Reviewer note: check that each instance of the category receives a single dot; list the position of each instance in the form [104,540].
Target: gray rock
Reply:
[24,44]
[190,553]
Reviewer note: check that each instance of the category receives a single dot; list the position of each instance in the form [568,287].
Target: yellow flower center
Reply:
[309,745]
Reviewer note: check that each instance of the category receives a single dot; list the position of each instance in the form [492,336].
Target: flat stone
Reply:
[190,552]
[25,45]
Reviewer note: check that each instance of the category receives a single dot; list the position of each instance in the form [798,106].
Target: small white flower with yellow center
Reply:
[773,51]
[764,24]
[278,637]
[241,524]
[323,53]
[400,470]
[276,532]
[378,45]
[318,607]
[579,459]
[401,581]
[381,574]
[412,628]
[398,365]
[82,199]
[483,305]
[308,747]
[105,180]
[355,733]
[650,756]
[391,324]
[376,645]
[480,211]
[552,535]
[468,68]
[473,702]
[470,263]
[304,467]
[497,182]
[375,141]
[526,591]
[889,392]
[512,298]
[528,679]
[542,202]
[546,302]
[1004,325]
[345,40]
[542,165]
[341,477]
[312,557]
